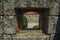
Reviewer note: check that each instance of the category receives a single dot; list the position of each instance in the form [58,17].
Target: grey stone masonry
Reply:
[10,23]
[1,24]
[54,11]
[52,24]
[32,3]
[51,37]
[54,8]
[9,7]
[1,37]
[1,7]
[26,36]
[7,37]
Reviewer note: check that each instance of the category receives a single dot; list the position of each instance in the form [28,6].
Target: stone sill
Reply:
[30,36]
[30,31]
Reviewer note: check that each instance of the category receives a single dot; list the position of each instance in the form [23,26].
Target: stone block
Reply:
[46,37]
[9,7]
[51,36]
[10,23]
[31,3]
[46,3]
[54,8]
[1,24]
[27,36]
[7,37]
[1,37]
[52,24]
[1,8]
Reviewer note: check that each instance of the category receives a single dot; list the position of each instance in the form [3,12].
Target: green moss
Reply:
[25,22]
[35,26]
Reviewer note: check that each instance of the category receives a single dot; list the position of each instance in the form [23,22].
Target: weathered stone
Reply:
[54,9]
[46,3]
[1,8]
[41,38]
[1,24]
[1,37]
[46,37]
[10,24]
[7,37]
[9,7]
[24,36]
[31,3]
[51,36]
[52,24]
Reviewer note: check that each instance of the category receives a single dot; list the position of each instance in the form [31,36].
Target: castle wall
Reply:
[8,22]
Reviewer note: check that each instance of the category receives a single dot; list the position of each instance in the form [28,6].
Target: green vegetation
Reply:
[25,22]
[36,26]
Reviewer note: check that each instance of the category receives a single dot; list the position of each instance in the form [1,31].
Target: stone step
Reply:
[27,36]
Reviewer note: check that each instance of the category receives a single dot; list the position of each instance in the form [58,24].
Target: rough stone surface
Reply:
[52,24]
[1,37]
[7,37]
[1,24]
[54,9]
[1,8]
[30,37]
[9,7]
[31,3]
[51,36]
[10,24]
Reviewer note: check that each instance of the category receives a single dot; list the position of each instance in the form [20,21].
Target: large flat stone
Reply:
[27,36]
[52,24]
[10,23]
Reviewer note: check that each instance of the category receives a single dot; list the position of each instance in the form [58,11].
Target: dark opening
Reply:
[43,17]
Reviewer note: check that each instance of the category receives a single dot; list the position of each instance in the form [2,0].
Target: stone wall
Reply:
[8,22]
